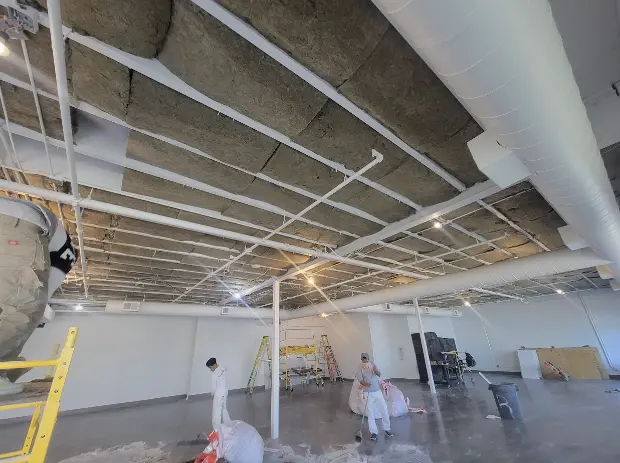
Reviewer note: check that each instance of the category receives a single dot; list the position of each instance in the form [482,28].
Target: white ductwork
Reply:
[400,309]
[185,310]
[196,310]
[538,265]
[505,62]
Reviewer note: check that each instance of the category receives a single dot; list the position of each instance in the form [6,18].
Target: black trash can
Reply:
[507,400]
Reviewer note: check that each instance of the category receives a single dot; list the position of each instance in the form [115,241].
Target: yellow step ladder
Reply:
[35,448]
[330,359]
[265,346]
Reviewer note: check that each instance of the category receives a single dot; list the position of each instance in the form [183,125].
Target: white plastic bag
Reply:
[397,404]
[396,401]
[238,442]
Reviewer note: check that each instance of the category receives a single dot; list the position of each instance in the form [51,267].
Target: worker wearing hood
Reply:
[220,394]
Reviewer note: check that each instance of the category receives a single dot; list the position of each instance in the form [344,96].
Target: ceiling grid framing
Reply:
[489,242]
[149,68]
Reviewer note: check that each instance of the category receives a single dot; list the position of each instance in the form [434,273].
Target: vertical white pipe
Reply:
[596,332]
[191,365]
[427,360]
[275,364]
[60,67]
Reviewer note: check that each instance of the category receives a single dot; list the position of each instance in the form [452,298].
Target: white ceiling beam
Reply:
[425,215]
[250,34]
[185,225]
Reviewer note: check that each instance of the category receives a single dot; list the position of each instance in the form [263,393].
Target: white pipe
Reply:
[275,364]
[185,225]
[60,68]
[250,34]
[188,310]
[398,309]
[538,265]
[423,216]
[586,309]
[505,62]
[35,95]
[427,360]
[377,158]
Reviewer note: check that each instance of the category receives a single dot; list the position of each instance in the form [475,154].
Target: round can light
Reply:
[4,50]
[310,280]
[237,296]
[437,224]
[559,291]
[79,308]
[467,304]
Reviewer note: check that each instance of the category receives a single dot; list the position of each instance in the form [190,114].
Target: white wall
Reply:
[443,326]
[349,336]
[558,321]
[118,358]
[234,343]
[391,339]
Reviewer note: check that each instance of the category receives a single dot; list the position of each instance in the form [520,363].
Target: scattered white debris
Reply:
[401,453]
[136,452]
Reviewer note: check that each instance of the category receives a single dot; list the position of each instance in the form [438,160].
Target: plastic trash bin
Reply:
[507,400]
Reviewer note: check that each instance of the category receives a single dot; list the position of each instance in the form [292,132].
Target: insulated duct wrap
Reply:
[539,265]
[505,61]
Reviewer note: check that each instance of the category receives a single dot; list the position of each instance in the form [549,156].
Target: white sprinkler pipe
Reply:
[192,226]
[505,62]
[60,68]
[427,360]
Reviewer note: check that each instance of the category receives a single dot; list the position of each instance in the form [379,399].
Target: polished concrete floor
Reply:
[564,422]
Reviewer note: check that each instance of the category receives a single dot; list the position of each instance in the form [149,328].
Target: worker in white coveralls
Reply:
[376,407]
[35,256]
[220,394]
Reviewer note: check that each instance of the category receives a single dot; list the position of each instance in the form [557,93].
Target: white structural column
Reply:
[275,364]
[427,360]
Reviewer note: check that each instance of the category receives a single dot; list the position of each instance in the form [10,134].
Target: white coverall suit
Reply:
[220,395]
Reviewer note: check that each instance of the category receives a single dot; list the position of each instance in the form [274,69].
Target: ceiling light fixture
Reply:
[237,296]
[467,304]
[324,315]
[310,280]
[559,291]
[437,224]
[4,50]
[79,308]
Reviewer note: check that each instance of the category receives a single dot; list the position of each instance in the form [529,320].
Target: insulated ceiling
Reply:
[184,159]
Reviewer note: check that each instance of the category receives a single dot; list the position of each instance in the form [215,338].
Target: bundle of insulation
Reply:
[235,442]
[398,404]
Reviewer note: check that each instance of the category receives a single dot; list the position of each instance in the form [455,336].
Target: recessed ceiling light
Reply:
[324,315]
[467,304]
[79,307]
[4,50]
[237,296]
[310,280]
[437,224]
[559,291]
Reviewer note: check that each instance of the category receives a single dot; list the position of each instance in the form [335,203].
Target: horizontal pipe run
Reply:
[185,225]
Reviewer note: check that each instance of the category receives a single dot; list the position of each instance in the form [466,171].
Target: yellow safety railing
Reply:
[35,449]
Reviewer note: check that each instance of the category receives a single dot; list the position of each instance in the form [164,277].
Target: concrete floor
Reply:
[564,422]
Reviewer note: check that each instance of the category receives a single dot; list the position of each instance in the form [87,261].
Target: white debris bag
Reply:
[398,404]
[236,442]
